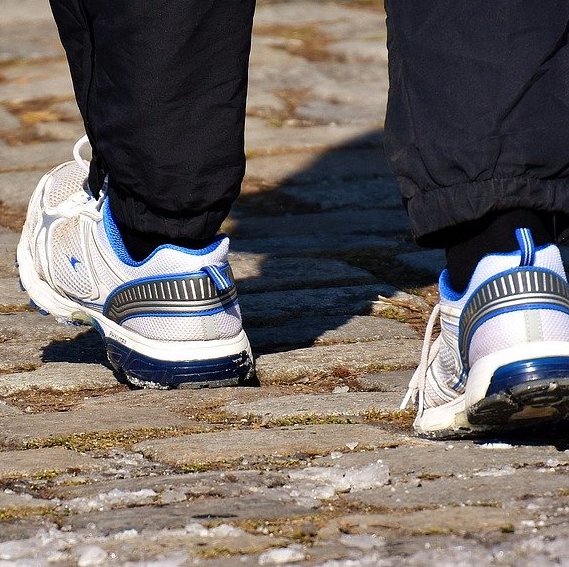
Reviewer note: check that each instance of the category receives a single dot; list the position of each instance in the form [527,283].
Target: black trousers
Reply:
[161,86]
[478,113]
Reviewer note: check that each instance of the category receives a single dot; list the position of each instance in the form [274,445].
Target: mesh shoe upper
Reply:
[77,249]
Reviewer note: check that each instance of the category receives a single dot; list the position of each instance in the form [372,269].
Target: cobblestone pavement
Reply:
[317,467]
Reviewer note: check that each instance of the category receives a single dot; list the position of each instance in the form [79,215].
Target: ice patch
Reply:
[502,471]
[91,555]
[363,542]
[352,479]
[281,556]
[111,499]
[496,446]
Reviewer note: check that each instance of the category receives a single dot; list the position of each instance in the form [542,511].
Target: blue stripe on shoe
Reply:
[527,246]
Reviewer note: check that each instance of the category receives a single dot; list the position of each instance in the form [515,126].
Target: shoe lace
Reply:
[416,389]
[83,163]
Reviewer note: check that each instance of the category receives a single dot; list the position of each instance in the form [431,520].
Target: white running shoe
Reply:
[502,359]
[171,320]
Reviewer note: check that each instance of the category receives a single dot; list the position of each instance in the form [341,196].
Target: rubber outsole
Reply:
[143,371]
[522,395]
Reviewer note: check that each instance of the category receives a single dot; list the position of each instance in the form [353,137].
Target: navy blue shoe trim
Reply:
[517,373]
[138,369]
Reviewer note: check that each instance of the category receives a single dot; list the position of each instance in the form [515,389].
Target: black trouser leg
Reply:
[162,87]
[478,114]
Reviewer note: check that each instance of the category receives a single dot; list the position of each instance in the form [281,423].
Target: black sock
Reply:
[141,244]
[494,233]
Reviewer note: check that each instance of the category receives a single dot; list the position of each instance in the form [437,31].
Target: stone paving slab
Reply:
[17,187]
[8,243]
[335,224]
[312,244]
[33,81]
[328,330]
[233,445]
[59,376]
[364,194]
[36,156]
[43,428]
[32,41]
[460,459]
[264,308]
[305,363]
[491,491]
[180,487]
[35,462]
[264,138]
[24,11]
[257,272]
[340,404]
[11,296]
[179,515]
[303,168]
[394,381]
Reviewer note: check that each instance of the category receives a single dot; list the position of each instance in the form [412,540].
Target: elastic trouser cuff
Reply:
[432,212]
[202,225]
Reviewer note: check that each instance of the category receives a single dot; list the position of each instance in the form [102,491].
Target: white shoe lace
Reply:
[416,390]
[83,163]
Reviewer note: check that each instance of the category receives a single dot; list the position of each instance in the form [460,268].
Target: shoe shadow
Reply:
[86,347]
[316,248]
[556,435]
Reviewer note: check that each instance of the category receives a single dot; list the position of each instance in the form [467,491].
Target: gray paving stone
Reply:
[35,81]
[312,244]
[263,308]
[427,460]
[42,156]
[11,296]
[59,376]
[328,330]
[304,363]
[365,194]
[373,50]
[428,261]
[335,165]
[257,272]
[8,242]
[34,40]
[16,187]
[42,427]
[309,12]
[232,445]
[35,461]
[395,381]
[20,11]
[334,224]
[183,486]
[344,404]
[23,503]
[7,120]
[492,490]
[262,137]
[180,515]
[70,131]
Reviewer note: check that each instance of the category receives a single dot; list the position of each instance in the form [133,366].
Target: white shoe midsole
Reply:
[64,308]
